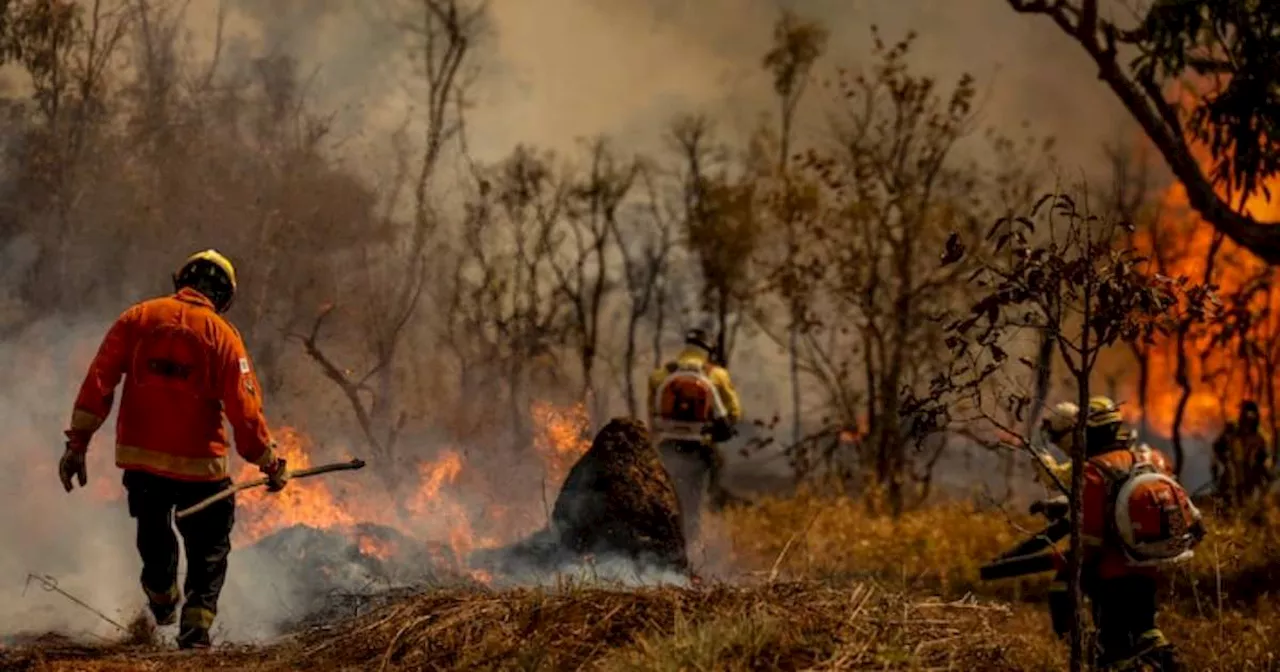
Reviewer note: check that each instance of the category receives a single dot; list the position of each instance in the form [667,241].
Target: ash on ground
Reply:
[302,575]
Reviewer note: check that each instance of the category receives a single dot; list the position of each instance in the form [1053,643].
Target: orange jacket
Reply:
[1102,556]
[184,366]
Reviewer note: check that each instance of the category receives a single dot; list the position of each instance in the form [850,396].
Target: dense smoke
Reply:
[83,540]
[315,218]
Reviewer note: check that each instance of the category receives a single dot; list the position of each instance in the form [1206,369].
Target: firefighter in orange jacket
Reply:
[693,406]
[1122,593]
[184,366]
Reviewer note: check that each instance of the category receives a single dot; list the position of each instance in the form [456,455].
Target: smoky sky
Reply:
[554,71]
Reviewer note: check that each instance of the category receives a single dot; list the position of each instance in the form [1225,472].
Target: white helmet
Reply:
[1059,422]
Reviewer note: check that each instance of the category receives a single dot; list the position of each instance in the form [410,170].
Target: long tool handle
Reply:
[1022,565]
[301,473]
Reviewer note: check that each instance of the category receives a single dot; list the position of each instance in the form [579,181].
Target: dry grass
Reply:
[940,549]
[774,626]
[853,591]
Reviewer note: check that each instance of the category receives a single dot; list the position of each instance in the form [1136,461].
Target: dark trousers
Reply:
[206,537]
[1124,614]
[1124,618]
[1060,604]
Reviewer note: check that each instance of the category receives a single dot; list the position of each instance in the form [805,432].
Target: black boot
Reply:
[1165,659]
[191,637]
[194,631]
[163,605]
[165,614]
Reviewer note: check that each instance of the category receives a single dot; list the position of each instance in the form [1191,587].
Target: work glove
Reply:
[277,474]
[72,464]
[722,431]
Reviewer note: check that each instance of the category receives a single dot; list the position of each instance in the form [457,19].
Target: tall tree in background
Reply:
[1201,77]
[723,227]
[645,239]
[442,32]
[891,184]
[584,276]
[503,313]
[797,44]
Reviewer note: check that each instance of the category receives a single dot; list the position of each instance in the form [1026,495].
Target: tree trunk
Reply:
[659,326]
[1075,558]
[629,368]
[722,320]
[793,348]
[1075,555]
[1184,384]
[1144,382]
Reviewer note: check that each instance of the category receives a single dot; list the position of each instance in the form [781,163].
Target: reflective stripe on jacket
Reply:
[184,366]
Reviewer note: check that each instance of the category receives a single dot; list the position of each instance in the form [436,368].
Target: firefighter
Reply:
[1058,429]
[1241,460]
[184,366]
[1121,589]
[693,407]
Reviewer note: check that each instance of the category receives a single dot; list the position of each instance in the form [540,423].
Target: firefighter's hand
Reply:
[277,475]
[722,431]
[72,464]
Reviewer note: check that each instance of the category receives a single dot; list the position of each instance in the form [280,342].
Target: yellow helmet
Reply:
[211,274]
[1061,419]
[1102,412]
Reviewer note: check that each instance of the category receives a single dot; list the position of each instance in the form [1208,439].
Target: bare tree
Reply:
[582,271]
[1184,331]
[723,228]
[892,187]
[503,314]
[797,44]
[645,242]
[66,49]
[444,30]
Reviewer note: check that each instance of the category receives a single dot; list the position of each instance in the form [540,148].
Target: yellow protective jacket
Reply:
[1047,468]
[718,375]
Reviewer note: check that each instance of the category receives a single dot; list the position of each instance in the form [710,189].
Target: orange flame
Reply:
[560,437]
[376,548]
[447,501]
[1179,244]
[304,502]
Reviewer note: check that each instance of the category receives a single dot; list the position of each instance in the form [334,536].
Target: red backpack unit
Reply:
[687,401]
[1150,514]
